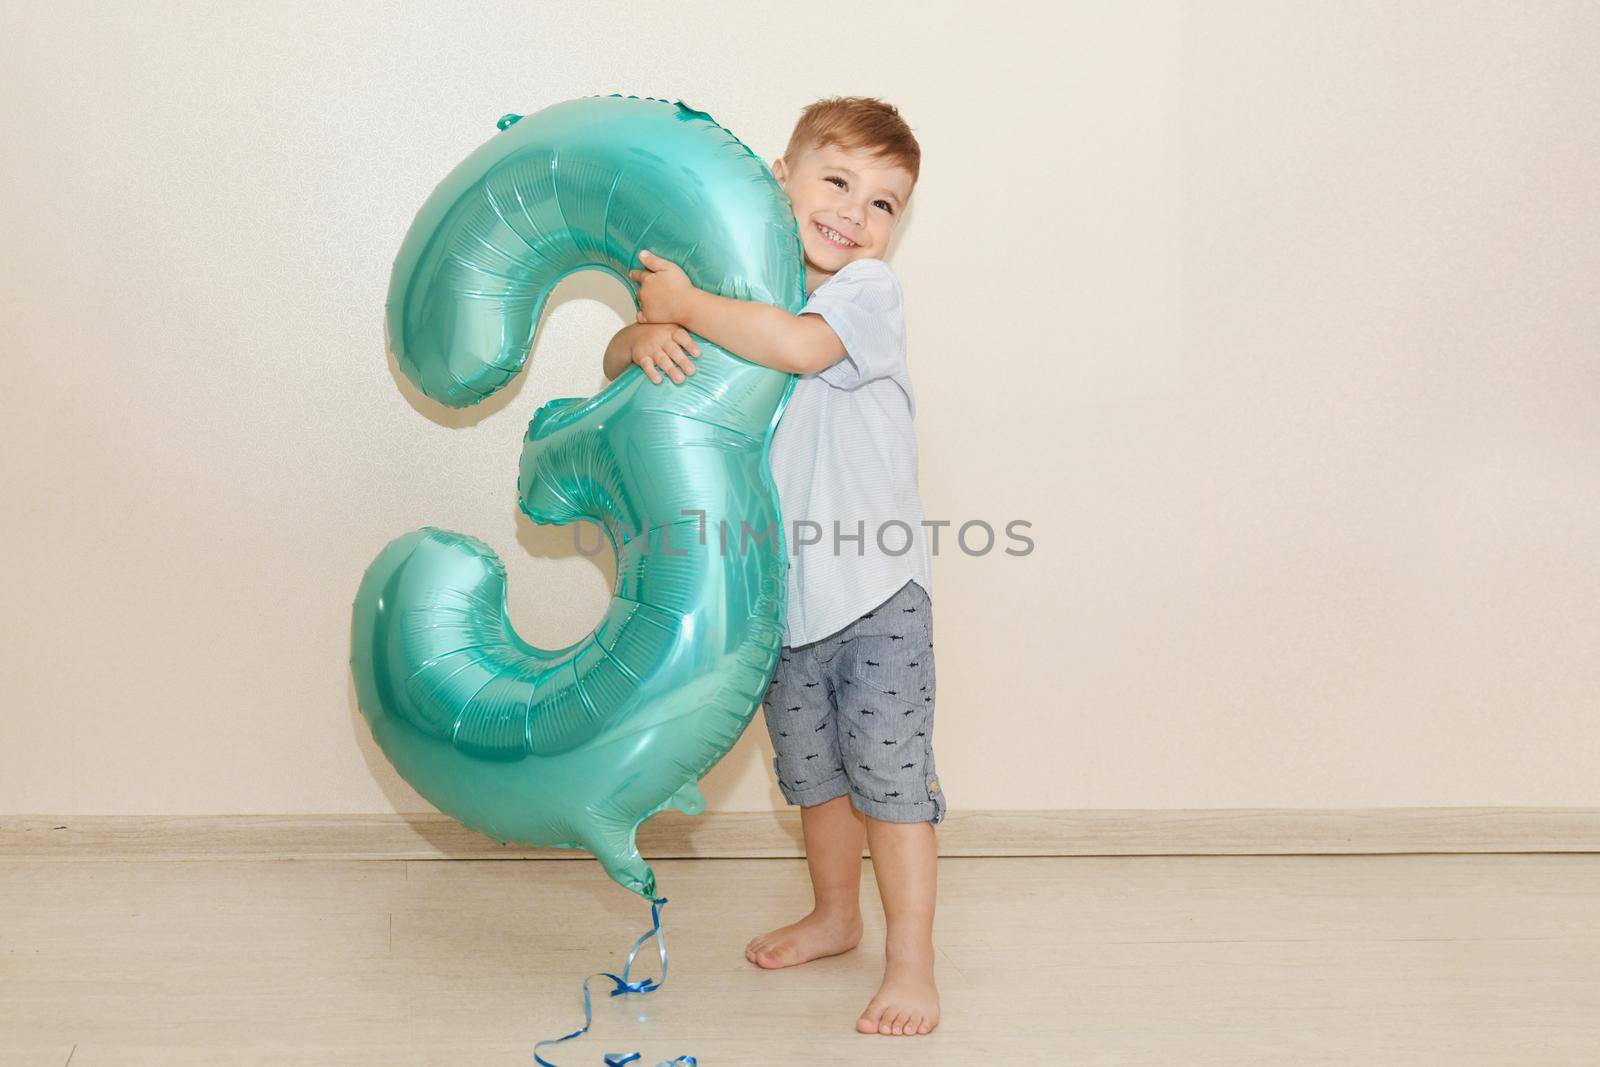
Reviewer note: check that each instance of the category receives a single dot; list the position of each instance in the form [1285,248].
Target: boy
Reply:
[850,709]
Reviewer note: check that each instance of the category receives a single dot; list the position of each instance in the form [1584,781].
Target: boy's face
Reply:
[847,202]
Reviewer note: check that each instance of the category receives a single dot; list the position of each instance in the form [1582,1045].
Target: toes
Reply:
[870,1021]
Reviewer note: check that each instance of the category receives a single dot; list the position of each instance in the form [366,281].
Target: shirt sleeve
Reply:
[862,303]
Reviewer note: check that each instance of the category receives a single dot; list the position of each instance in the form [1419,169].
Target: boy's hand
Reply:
[661,347]
[664,290]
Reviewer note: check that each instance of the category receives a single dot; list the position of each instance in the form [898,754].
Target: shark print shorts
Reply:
[853,714]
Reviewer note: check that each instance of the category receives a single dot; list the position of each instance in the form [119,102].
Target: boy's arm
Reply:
[617,355]
[620,354]
[761,333]
[657,348]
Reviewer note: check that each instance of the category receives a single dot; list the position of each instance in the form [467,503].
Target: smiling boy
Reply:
[850,708]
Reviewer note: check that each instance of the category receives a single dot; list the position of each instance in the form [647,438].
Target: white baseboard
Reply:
[734,834]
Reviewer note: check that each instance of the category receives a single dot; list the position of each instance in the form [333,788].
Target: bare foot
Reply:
[907,1003]
[813,937]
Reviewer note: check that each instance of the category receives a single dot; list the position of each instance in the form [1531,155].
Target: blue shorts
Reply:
[853,714]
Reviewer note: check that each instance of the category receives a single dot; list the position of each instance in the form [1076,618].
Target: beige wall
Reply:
[1278,322]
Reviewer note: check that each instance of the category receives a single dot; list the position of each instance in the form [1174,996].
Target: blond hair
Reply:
[857,122]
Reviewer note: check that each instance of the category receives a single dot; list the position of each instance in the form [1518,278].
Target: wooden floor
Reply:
[1372,960]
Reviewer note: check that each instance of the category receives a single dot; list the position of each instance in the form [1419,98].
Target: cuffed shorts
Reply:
[853,714]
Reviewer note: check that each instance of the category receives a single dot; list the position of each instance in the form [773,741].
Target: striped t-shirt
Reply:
[844,457]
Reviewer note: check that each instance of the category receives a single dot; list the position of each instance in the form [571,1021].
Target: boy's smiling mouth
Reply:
[835,237]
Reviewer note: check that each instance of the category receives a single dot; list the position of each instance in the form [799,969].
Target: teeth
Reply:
[836,237]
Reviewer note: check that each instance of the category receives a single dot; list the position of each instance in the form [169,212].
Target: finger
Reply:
[681,359]
[655,262]
[649,369]
[677,356]
[636,274]
[682,337]
[670,367]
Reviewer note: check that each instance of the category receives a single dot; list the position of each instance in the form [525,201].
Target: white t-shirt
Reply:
[844,458]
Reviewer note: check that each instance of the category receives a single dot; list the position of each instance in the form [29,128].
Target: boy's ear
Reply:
[779,171]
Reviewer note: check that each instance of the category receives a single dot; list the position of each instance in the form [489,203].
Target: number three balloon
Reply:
[575,747]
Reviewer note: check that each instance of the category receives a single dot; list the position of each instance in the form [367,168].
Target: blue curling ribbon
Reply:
[647,985]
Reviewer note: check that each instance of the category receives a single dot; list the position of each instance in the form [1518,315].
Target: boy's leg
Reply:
[886,710]
[802,721]
[834,836]
[905,858]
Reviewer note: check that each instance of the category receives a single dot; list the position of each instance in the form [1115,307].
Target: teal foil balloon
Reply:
[575,747]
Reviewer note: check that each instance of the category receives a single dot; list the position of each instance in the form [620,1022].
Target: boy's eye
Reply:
[844,184]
